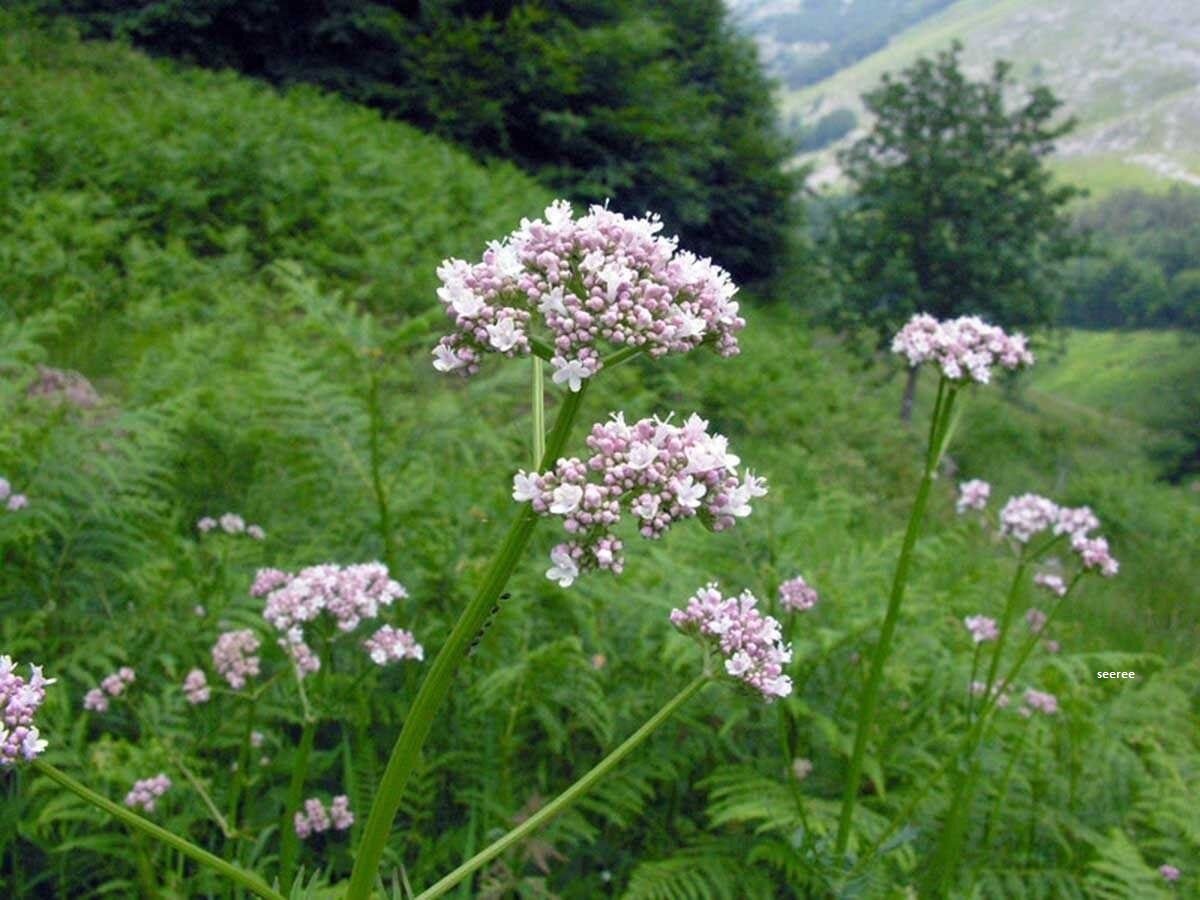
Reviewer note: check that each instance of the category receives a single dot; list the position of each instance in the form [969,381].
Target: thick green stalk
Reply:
[870,695]
[538,404]
[436,684]
[246,879]
[567,797]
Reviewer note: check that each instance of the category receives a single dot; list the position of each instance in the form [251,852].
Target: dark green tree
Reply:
[648,104]
[955,211]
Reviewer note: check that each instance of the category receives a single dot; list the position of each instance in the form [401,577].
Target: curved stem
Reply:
[246,879]
[567,797]
[1010,608]
[436,684]
[870,695]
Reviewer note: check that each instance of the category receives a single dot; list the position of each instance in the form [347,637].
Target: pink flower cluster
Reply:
[350,594]
[665,472]
[797,595]
[390,644]
[12,502]
[972,494]
[965,349]
[982,628]
[600,277]
[112,685]
[1036,620]
[234,658]
[231,523]
[195,687]
[145,793]
[1051,582]
[751,643]
[19,701]
[1040,701]
[314,819]
[1169,872]
[1025,516]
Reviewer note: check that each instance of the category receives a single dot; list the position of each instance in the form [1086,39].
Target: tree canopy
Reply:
[650,105]
[954,210]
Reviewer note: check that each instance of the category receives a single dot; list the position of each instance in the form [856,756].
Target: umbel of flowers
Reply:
[350,595]
[750,642]
[659,471]
[570,283]
[964,349]
[19,702]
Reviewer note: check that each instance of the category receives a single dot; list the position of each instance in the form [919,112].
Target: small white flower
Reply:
[564,570]
[642,455]
[504,334]
[570,372]
[525,487]
[552,302]
[446,360]
[688,492]
[566,499]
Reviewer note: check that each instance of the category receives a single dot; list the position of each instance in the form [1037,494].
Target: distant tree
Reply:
[955,211]
[650,104]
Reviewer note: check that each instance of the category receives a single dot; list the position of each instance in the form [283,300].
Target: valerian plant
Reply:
[579,295]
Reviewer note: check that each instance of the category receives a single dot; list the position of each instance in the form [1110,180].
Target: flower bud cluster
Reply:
[1051,582]
[19,701]
[1035,619]
[349,594]
[965,349]
[145,793]
[390,644]
[1039,701]
[664,472]
[112,685]
[195,687]
[1025,516]
[797,595]
[12,502]
[751,643]
[972,494]
[602,277]
[314,819]
[231,523]
[982,628]
[234,657]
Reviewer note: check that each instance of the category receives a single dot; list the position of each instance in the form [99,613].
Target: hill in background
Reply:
[1130,73]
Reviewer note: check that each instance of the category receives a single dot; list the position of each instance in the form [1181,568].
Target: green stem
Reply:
[1002,790]
[381,500]
[290,842]
[239,777]
[436,684]
[205,798]
[567,797]
[1010,608]
[246,879]
[538,403]
[870,694]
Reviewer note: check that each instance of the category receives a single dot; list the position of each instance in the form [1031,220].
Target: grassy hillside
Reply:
[1129,73]
[243,278]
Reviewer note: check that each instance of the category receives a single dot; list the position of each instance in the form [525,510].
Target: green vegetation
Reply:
[647,104]
[820,37]
[953,211]
[244,280]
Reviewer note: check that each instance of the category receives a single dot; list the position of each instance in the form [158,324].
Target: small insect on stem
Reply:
[486,625]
